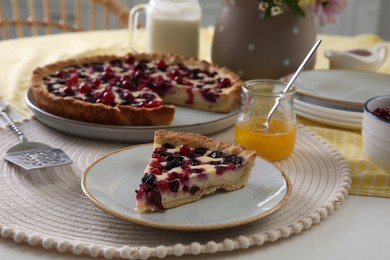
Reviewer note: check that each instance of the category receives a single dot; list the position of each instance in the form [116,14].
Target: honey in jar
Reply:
[257,98]
[274,144]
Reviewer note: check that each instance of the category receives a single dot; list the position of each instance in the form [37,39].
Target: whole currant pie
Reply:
[185,166]
[135,89]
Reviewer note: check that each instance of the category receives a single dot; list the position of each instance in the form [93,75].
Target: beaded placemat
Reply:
[48,208]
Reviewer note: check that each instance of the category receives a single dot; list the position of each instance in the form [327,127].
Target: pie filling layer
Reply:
[139,83]
[180,174]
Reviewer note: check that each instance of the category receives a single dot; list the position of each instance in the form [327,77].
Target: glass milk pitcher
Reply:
[172,26]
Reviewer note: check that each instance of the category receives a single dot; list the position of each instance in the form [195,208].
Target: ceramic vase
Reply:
[257,47]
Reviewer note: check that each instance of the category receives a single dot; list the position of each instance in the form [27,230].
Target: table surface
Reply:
[357,230]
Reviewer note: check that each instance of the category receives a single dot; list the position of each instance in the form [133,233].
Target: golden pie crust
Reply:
[80,110]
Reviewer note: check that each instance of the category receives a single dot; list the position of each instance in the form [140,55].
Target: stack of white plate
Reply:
[336,97]
[329,116]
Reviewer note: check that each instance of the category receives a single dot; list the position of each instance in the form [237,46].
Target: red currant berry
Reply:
[96,83]
[128,96]
[184,149]
[129,58]
[178,79]
[108,97]
[127,84]
[60,74]
[108,69]
[141,104]
[154,103]
[84,87]
[72,81]
[174,73]
[155,171]
[161,64]
[69,91]
[139,74]
[107,75]
[225,82]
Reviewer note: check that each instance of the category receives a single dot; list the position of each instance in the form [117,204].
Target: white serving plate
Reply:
[186,120]
[332,122]
[110,183]
[342,87]
[332,114]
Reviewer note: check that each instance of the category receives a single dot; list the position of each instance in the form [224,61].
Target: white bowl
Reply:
[376,133]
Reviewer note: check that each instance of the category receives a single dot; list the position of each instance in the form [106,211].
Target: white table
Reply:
[358,230]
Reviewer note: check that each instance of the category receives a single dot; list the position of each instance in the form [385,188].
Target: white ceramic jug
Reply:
[358,59]
[172,26]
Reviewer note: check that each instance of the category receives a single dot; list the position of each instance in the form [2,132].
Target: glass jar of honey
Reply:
[257,99]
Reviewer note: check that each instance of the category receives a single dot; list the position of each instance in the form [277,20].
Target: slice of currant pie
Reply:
[135,89]
[185,166]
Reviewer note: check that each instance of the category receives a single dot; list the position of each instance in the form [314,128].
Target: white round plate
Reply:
[348,88]
[327,121]
[111,181]
[185,120]
[351,111]
[328,113]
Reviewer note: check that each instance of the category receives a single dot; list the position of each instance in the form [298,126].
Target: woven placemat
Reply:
[47,207]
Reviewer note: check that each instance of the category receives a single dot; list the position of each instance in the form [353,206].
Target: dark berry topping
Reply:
[215,162]
[60,74]
[216,154]
[149,178]
[200,170]
[200,151]
[195,162]
[69,91]
[194,189]
[235,159]
[170,158]
[127,96]
[210,95]
[154,197]
[168,146]
[174,186]
[176,162]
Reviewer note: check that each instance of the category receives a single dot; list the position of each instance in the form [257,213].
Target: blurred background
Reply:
[360,16]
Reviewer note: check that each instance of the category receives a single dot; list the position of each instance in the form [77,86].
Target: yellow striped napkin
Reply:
[367,179]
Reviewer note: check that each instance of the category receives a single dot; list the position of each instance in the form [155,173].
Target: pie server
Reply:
[32,155]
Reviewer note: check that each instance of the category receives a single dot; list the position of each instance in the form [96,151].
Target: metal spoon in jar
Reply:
[289,84]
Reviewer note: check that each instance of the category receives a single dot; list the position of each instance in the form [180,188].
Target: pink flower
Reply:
[327,10]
